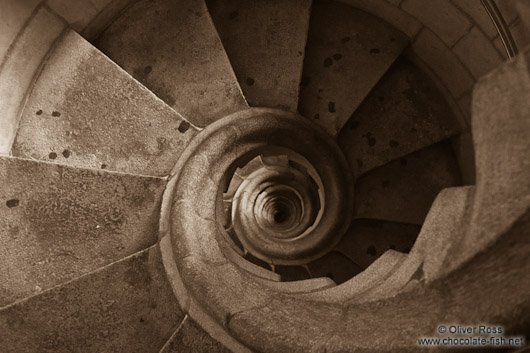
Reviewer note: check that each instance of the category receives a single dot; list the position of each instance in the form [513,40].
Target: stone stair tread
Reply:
[86,111]
[347,52]
[173,48]
[128,306]
[404,113]
[58,222]
[265,42]
[191,338]
[403,190]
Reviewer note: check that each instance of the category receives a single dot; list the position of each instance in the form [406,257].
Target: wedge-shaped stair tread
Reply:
[191,338]
[128,306]
[366,240]
[347,52]
[404,113]
[265,41]
[86,111]
[172,47]
[58,222]
[403,190]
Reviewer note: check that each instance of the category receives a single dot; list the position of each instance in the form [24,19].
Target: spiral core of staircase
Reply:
[269,176]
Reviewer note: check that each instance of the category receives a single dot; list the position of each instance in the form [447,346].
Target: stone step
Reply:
[172,47]
[58,222]
[444,227]
[404,190]
[347,52]
[265,41]
[86,111]
[190,337]
[128,306]
[405,112]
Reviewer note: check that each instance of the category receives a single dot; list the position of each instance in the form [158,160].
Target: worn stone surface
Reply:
[477,53]
[58,223]
[18,68]
[444,226]
[126,307]
[375,273]
[500,125]
[403,190]
[265,41]
[172,47]
[347,52]
[86,111]
[403,113]
[191,338]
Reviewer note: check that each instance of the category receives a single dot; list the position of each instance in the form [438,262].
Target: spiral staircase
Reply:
[268,176]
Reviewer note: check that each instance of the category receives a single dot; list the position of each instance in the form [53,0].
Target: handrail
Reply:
[502,27]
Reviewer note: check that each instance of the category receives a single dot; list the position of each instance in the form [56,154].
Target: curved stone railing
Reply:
[501,26]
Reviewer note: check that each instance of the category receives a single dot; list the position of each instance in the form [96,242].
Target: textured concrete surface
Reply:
[86,111]
[445,224]
[18,68]
[127,306]
[172,47]
[347,52]
[265,41]
[191,338]
[58,222]
[500,122]
[404,113]
[403,190]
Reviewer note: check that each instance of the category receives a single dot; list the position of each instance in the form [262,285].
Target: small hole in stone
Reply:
[103,166]
[52,155]
[328,62]
[371,250]
[56,114]
[142,319]
[250,81]
[331,107]
[184,126]
[148,69]
[232,15]
[39,112]
[12,203]
[66,153]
